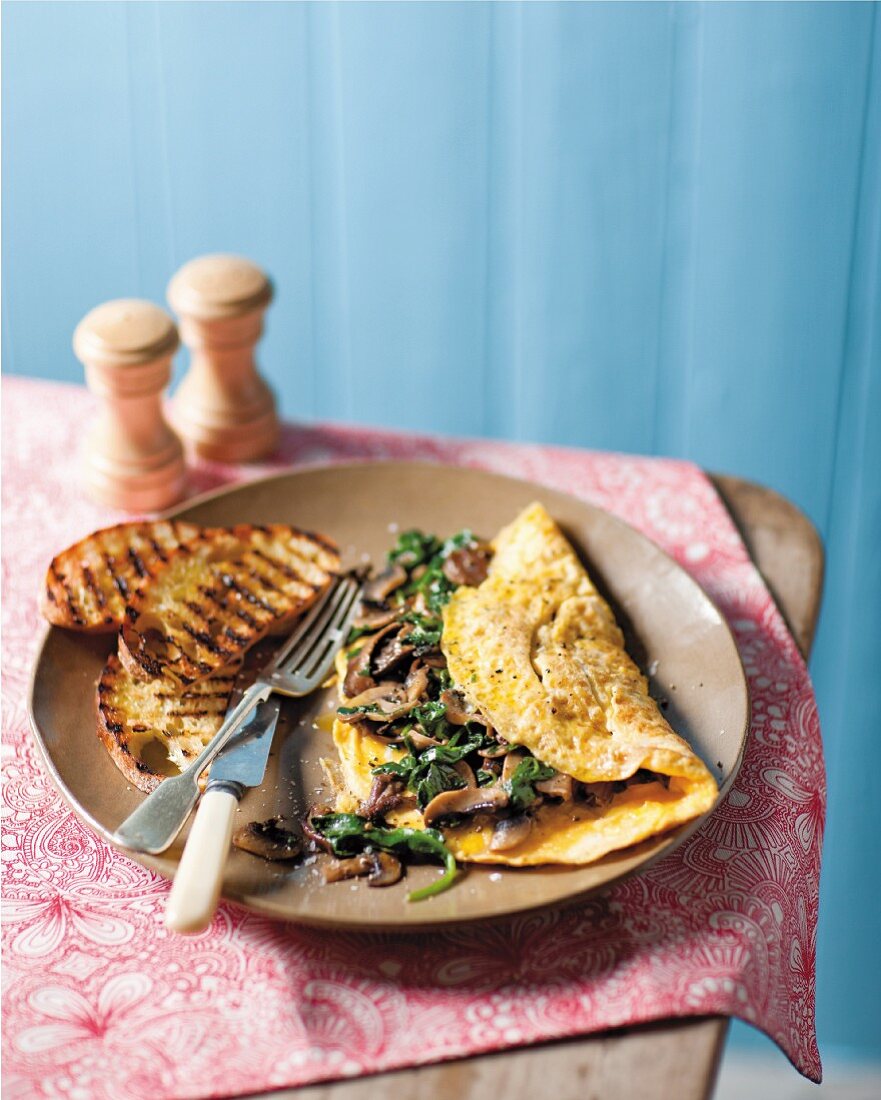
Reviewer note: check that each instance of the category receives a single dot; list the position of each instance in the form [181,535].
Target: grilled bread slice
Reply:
[153,728]
[216,598]
[88,585]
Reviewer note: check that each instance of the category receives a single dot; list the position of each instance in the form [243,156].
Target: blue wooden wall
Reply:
[653,228]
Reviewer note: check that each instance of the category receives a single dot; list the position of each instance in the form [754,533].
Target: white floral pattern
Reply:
[100,1001]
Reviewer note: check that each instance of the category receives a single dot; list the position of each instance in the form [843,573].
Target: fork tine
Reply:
[293,640]
[312,636]
[325,651]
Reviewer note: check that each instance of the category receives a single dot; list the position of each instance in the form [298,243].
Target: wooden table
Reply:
[671,1060]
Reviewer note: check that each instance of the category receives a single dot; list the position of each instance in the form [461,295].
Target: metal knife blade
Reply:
[243,759]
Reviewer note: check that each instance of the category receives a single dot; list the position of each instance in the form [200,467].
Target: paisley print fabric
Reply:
[100,1001]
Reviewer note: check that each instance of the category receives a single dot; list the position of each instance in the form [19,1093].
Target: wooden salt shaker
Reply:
[223,408]
[134,460]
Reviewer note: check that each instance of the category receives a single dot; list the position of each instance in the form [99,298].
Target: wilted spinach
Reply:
[350,834]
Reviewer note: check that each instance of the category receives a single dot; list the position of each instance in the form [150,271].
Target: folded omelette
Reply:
[515,649]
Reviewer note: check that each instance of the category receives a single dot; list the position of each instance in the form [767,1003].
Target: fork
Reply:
[300,666]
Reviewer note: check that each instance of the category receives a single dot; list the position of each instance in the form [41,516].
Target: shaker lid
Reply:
[219,286]
[125,332]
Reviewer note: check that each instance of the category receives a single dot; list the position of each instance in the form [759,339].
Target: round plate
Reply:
[666,617]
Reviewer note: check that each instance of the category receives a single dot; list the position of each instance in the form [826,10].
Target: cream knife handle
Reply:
[196,887]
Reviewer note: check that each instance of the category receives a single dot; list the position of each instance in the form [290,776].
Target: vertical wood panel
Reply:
[331,345]
[148,138]
[677,290]
[67,243]
[596,82]
[503,369]
[780,147]
[234,92]
[846,664]
[412,177]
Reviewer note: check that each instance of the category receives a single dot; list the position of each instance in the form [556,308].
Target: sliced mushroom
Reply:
[466,800]
[466,772]
[493,752]
[338,869]
[380,587]
[510,831]
[467,565]
[373,616]
[386,871]
[381,868]
[422,741]
[268,839]
[319,840]
[389,700]
[417,681]
[558,786]
[512,761]
[596,794]
[384,703]
[358,671]
[459,710]
[387,792]
[388,656]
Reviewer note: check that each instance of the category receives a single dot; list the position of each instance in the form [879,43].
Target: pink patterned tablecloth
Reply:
[99,1001]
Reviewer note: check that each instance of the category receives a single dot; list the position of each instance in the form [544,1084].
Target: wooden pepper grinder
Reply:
[134,460]
[223,408]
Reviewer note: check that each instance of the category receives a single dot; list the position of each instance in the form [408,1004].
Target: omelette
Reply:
[486,695]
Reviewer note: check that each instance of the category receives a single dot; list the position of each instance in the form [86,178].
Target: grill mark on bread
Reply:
[158,551]
[197,609]
[205,640]
[92,585]
[263,580]
[246,593]
[237,611]
[72,605]
[118,580]
[135,558]
[190,695]
[281,566]
[316,536]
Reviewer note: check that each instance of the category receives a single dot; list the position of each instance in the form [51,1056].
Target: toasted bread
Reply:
[88,584]
[153,728]
[216,598]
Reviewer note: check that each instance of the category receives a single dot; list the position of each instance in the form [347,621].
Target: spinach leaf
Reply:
[455,749]
[436,587]
[431,716]
[413,548]
[364,708]
[438,777]
[441,679]
[432,771]
[349,834]
[426,632]
[402,768]
[520,786]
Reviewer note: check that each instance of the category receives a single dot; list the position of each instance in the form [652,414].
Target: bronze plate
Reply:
[666,616]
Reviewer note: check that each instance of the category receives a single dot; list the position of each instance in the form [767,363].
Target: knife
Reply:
[240,764]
